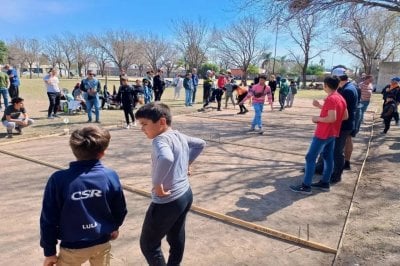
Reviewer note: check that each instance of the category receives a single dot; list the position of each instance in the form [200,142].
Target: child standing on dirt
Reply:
[83,206]
[127,96]
[172,155]
[329,121]
[258,93]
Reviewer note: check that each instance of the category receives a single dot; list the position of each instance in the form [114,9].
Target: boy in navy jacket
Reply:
[83,206]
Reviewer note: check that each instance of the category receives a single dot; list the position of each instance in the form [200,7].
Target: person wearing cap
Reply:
[393,91]
[207,89]
[4,88]
[91,88]
[53,92]
[349,92]
[13,90]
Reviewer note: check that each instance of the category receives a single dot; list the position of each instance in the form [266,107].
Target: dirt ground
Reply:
[234,178]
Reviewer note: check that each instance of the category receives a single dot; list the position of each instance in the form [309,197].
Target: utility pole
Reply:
[276,43]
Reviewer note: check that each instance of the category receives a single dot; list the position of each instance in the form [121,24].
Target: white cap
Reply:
[340,71]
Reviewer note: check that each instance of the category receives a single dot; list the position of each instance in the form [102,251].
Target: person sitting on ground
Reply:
[12,117]
[78,96]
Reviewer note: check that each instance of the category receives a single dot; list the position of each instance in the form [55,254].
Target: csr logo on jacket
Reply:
[81,195]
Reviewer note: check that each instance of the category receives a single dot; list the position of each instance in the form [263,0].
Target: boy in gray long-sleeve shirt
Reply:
[173,152]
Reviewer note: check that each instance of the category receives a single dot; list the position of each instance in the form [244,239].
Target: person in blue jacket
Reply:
[83,206]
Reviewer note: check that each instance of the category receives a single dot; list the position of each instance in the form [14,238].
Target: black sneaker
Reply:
[240,113]
[19,130]
[346,165]
[321,186]
[9,136]
[335,180]
[306,190]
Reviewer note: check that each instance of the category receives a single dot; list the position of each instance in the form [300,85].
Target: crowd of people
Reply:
[94,197]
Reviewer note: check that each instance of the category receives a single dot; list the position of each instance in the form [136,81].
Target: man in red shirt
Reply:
[333,111]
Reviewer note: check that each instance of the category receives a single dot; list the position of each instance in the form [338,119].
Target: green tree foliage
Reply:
[253,70]
[3,52]
[315,70]
[207,66]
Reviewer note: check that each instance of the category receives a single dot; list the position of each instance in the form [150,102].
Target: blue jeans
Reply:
[4,92]
[165,220]
[258,109]
[188,97]
[89,105]
[194,94]
[325,148]
[363,109]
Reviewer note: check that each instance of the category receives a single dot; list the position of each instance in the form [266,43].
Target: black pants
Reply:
[157,94]
[128,111]
[387,121]
[241,106]
[165,220]
[54,102]
[338,156]
[194,94]
[206,95]
[13,91]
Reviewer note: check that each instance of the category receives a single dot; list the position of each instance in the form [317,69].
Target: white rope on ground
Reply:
[211,214]
[340,244]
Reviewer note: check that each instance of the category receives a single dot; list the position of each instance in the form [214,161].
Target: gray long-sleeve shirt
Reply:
[172,153]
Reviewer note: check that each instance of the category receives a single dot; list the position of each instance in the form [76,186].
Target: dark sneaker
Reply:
[346,165]
[321,186]
[245,111]
[306,190]
[240,113]
[9,136]
[98,121]
[335,180]
[56,115]
[19,130]
[89,121]
[252,130]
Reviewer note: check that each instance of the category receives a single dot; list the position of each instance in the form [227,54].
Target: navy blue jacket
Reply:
[82,205]
[349,93]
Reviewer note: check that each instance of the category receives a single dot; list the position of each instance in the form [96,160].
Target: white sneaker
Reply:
[134,124]
[127,126]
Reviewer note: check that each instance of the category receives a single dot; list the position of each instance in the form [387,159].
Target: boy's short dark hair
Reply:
[154,111]
[262,76]
[332,82]
[16,100]
[88,142]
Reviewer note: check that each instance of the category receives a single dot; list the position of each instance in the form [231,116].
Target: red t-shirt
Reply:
[335,101]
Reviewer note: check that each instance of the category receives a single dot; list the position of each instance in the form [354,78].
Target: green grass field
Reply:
[36,103]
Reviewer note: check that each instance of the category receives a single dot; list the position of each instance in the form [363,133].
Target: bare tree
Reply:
[67,50]
[192,41]
[305,32]
[370,35]
[155,49]
[293,8]
[81,50]
[32,54]
[101,59]
[16,52]
[121,46]
[240,45]
[52,48]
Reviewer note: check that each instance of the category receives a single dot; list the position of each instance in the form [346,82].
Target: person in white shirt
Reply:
[53,92]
